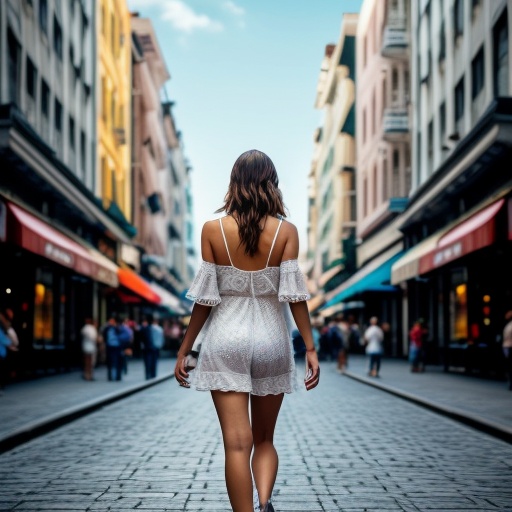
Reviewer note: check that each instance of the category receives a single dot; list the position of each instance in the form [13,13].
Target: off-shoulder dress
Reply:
[245,342]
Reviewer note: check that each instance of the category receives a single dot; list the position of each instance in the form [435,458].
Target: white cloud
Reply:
[181,16]
[233,8]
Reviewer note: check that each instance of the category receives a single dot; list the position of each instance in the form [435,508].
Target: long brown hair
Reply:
[253,193]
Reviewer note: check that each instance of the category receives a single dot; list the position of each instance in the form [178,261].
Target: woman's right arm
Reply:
[199,315]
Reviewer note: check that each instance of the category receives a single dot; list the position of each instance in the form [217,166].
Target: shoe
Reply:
[267,507]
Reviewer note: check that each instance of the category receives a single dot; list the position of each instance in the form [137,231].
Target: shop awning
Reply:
[169,300]
[329,274]
[476,232]
[370,278]
[342,306]
[138,285]
[35,235]
[407,266]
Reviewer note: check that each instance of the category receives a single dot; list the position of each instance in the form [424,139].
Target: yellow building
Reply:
[113,182]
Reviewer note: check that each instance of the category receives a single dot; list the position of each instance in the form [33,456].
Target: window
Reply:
[57,38]
[442,43]
[384,95]
[58,115]
[364,126]
[45,99]
[458,18]
[13,65]
[501,85]
[385,181]
[396,173]
[375,186]
[31,78]
[43,15]
[374,113]
[113,33]
[104,98]
[365,197]
[459,100]
[394,87]
[442,124]
[71,132]
[477,73]
[83,150]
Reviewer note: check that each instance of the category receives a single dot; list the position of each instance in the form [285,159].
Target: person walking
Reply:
[8,343]
[417,335]
[113,347]
[89,335]
[249,271]
[374,338]
[507,346]
[157,344]
[146,344]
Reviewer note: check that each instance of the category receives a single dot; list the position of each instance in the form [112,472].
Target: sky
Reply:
[244,76]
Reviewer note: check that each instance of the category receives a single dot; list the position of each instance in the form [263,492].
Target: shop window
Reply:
[44,310]
[71,132]
[458,306]
[442,124]
[459,100]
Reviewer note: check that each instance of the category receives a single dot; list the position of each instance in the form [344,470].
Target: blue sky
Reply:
[243,76]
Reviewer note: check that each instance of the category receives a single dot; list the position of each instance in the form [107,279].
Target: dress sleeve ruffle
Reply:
[292,286]
[204,289]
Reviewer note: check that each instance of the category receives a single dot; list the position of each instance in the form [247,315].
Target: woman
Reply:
[417,335]
[249,271]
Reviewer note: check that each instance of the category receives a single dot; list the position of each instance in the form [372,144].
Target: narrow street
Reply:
[344,446]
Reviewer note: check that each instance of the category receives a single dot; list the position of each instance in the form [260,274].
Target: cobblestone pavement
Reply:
[343,446]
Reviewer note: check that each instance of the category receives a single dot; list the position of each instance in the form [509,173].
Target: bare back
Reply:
[214,249]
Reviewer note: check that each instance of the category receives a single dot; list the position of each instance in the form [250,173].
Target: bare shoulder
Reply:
[209,228]
[289,229]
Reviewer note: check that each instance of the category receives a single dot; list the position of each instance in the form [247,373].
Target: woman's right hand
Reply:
[312,370]
[180,372]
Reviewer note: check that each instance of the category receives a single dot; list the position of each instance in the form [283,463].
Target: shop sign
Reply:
[58,254]
[130,255]
[447,254]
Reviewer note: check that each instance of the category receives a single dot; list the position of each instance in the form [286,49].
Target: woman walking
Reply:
[248,275]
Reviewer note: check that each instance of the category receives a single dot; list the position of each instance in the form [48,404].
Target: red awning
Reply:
[35,235]
[135,283]
[475,233]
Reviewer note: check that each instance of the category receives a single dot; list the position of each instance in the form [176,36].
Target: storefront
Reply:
[52,283]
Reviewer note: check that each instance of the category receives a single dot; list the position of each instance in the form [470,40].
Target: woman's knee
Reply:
[238,441]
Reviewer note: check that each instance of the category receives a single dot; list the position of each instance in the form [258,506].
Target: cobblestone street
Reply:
[343,446]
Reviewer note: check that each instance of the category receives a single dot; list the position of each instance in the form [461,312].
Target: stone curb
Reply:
[39,427]
[500,431]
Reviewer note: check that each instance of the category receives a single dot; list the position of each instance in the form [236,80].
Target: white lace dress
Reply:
[246,342]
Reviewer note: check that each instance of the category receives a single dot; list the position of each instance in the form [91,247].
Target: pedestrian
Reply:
[344,332]
[249,270]
[507,346]
[417,335]
[146,345]
[373,339]
[157,344]
[127,336]
[8,343]
[175,335]
[89,335]
[114,350]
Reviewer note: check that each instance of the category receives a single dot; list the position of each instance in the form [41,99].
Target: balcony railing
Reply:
[395,123]
[395,39]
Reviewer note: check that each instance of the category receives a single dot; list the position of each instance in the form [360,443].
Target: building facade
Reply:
[331,230]
[457,226]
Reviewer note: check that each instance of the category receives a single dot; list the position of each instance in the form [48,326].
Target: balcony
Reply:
[395,39]
[395,124]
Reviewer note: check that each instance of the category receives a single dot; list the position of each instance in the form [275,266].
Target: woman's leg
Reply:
[233,412]
[264,411]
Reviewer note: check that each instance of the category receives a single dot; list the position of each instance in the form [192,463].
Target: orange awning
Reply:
[136,284]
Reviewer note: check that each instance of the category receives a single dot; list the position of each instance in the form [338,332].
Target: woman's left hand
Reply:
[313,374]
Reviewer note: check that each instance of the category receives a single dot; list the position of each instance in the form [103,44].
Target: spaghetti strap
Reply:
[225,241]
[274,241]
